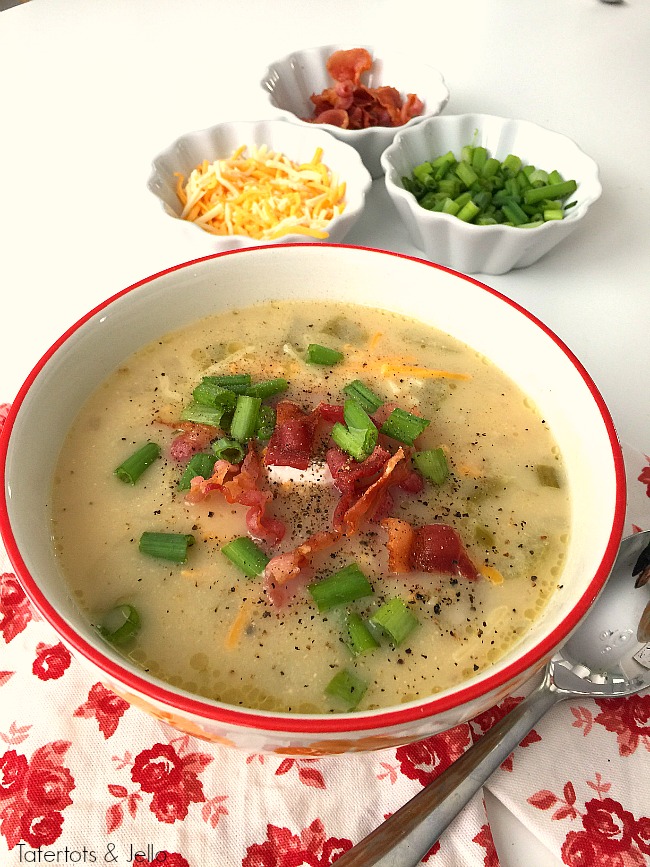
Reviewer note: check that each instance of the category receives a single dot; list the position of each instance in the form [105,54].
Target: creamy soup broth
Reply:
[513,526]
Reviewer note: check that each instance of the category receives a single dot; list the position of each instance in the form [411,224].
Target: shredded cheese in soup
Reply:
[360,580]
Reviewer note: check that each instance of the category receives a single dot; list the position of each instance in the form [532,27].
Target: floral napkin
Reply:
[87,779]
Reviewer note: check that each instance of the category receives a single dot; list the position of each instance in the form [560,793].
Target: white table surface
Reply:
[90,91]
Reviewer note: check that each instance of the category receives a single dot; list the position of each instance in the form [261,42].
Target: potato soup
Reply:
[319,508]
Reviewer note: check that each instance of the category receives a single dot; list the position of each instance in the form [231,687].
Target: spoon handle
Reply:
[406,836]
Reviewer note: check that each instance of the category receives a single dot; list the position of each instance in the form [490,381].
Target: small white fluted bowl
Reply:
[290,81]
[486,249]
[219,142]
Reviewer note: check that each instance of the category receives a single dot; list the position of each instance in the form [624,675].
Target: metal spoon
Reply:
[604,658]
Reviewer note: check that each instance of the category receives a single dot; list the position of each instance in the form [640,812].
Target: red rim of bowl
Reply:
[314,724]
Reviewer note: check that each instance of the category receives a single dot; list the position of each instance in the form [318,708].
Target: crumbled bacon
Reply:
[349,104]
[349,64]
[400,542]
[193,438]
[284,571]
[240,484]
[372,496]
[430,548]
[292,439]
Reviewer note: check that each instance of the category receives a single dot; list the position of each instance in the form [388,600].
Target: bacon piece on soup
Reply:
[331,412]
[439,548]
[430,548]
[201,488]
[285,572]
[244,489]
[372,497]
[193,438]
[292,439]
[239,483]
[401,536]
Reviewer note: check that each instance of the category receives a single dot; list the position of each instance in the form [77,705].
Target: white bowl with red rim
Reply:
[500,329]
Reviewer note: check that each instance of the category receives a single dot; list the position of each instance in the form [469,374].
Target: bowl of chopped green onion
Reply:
[487,194]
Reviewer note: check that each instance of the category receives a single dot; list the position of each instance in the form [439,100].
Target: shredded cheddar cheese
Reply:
[238,625]
[492,574]
[262,194]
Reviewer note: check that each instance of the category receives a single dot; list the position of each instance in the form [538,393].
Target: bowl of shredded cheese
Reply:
[249,183]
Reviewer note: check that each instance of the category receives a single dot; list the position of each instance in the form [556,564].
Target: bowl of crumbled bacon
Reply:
[250,183]
[361,95]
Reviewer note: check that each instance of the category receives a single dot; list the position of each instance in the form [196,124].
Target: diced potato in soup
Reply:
[268,641]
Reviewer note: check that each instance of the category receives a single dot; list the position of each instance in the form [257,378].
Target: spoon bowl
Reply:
[607,656]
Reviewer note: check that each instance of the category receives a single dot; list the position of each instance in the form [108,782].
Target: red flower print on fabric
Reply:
[165,859]
[51,661]
[644,478]
[171,779]
[307,773]
[4,412]
[484,721]
[105,706]
[310,848]
[424,760]
[33,795]
[610,835]
[629,719]
[608,819]
[484,839]
[15,610]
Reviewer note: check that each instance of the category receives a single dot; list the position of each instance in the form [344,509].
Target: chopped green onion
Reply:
[132,468]
[341,587]
[360,638]
[366,398]
[198,465]
[360,436]
[227,449]
[202,414]
[396,619]
[349,442]
[120,624]
[468,211]
[317,354]
[548,476]
[480,189]
[347,688]
[511,164]
[466,173]
[267,387]
[246,556]
[209,393]
[265,422]
[237,382]
[404,426]
[167,546]
[244,421]
[432,463]
[484,536]
[551,191]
